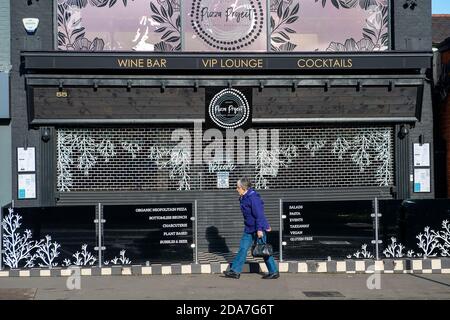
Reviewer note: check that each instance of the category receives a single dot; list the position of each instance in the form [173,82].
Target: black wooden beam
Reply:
[132,62]
[196,82]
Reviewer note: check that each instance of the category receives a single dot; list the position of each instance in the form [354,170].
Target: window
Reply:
[222,26]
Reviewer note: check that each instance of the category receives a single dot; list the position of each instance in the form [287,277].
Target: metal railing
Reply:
[375,215]
[98,227]
[372,227]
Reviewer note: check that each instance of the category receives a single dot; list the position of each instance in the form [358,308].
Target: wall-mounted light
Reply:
[327,86]
[129,85]
[358,86]
[391,85]
[30,24]
[46,135]
[294,86]
[95,85]
[195,86]
[229,84]
[403,132]
[393,191]
[163,87]
[421,139]
[61,86]
[261,86]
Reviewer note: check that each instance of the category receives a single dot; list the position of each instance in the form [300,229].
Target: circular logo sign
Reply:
[229,109]
[228,24]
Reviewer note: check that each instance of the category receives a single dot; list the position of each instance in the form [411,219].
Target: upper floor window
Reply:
[223,25]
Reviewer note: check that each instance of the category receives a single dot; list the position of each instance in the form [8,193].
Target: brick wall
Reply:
[22,134]
[412,27]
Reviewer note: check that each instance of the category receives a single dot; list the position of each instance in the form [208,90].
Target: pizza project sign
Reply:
[229,108]
[229,24]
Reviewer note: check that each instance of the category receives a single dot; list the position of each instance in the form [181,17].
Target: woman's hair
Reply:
[245,183]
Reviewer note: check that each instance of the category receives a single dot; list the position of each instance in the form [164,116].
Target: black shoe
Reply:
[231,274]
[274,275]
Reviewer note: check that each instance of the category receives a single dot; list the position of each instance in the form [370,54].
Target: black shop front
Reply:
[133,120]
[128,130]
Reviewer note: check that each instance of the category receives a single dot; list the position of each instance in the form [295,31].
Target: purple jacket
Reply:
[252,207]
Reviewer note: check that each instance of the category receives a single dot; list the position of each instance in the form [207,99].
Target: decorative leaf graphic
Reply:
[76,23]
[171,29]
[278,40]
[168,33]
[158,19]
[78,33]
[163,47]
[67,15]
[162,29]
[173,39]
[348,4]
[286,13]
[71,34]
[384,12]
[280,10]
[170,9]
[292,20]
[65,26]
[296,9]
[153,8]
[288,46]
[279,32]
[335,3]
[369,31]
[62,37]
[284,35]
[60,18]
[365,4]
[99,3]
[376,29]
[164,12]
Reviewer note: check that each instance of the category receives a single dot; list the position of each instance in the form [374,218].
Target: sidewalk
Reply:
[249,286]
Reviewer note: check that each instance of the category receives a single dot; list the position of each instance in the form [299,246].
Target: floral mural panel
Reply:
[223,26]
[329,25]
[226,25]
[119,25]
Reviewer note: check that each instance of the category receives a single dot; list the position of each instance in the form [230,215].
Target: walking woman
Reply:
[256,226]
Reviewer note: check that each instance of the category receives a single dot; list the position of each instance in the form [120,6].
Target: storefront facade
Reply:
[326,112]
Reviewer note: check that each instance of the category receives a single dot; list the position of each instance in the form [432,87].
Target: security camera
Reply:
[403,132]
[30,24]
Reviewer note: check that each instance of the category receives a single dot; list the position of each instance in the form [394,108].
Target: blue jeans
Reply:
[246,242]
